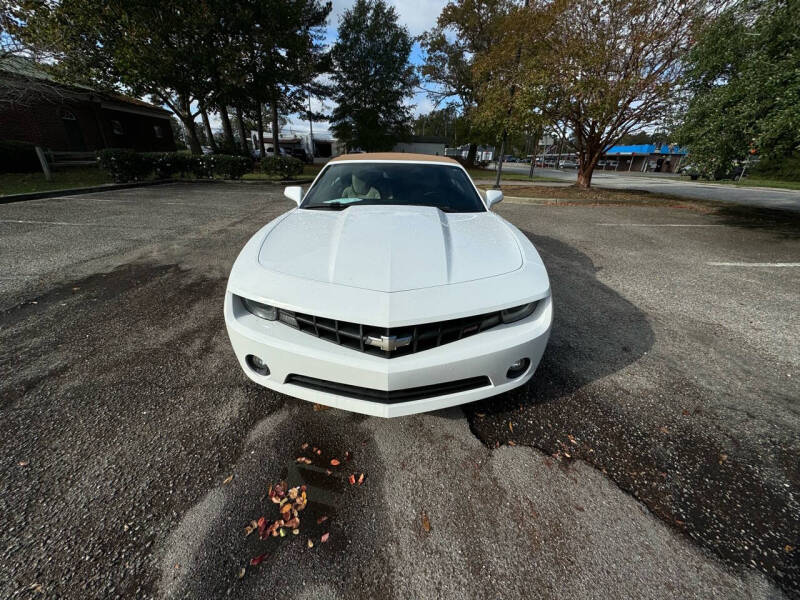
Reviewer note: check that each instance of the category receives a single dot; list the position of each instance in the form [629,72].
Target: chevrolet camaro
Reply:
[390,289]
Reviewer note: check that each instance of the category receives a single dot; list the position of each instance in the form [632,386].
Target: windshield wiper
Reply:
[328,206]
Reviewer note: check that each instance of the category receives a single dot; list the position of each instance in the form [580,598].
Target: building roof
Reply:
[646,149]
[393,156]
[25,68]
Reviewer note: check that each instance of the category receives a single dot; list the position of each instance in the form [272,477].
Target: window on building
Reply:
[158,131]
[117,128]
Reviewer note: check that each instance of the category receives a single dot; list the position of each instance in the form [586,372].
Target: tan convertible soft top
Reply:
[401,156]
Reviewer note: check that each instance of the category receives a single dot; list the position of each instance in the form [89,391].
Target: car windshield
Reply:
[393,184]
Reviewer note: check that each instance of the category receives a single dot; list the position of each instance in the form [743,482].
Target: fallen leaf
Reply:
[295,531]
[572,439]
[258,560]
[335,462]
[788,548]
[304,446]
[722,458]
[347,455]
[319,407]
[293,493]
[480,415]
[426,523]
[352,479]
[324,537]
[75,289]
[248,529]
[319,452]
[322,519]
[511,427]
[227,480]
[685,412]
[329,472]
[37,587]
[23,463]
[282,532]
[310,544]
[360,479]
[512,443]
[242,571]
[663,429]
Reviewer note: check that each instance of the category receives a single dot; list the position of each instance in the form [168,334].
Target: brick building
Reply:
[36,109]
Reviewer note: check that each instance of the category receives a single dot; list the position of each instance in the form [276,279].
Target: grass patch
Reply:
[477,174]
[754,181]
[77,177]
[573,195]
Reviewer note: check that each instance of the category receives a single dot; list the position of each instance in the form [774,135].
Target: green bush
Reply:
[125,165]
[229,166]
[783,168]
[285,166]
[18,157]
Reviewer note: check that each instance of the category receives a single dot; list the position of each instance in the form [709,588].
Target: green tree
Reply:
[597,69]
[743,79]
[372,77]
[465,29]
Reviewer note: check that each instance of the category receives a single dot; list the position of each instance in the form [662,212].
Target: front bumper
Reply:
[288,351]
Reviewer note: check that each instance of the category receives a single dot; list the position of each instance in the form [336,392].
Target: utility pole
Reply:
[311,129]
[505,129]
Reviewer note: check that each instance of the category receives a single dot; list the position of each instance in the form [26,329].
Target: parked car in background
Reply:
[300,154]
[569,164]
[269,151]
[391,289]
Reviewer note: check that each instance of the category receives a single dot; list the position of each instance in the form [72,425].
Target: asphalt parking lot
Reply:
[656,454]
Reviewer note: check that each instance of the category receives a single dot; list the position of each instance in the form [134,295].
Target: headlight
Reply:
[518,312]
[265,311]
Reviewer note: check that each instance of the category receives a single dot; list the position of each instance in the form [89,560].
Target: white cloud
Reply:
[417,15]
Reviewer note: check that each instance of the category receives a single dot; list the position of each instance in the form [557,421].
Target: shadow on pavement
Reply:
[652,431]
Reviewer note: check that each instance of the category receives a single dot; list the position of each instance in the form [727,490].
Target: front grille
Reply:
[390,397]
[418,337]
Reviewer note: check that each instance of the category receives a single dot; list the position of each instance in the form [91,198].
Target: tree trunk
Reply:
[207,124]
[242,132]
[588,161]
[499,160]
[276,133]
[473,150]
[227,129]
[260,120]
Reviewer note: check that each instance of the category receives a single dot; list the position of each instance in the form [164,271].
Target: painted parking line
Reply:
[41,222]
[660,225]
[754,264]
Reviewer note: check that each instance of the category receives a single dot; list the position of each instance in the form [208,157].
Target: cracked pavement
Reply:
[671,384]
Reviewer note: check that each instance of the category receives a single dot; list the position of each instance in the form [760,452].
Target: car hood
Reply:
[390,248]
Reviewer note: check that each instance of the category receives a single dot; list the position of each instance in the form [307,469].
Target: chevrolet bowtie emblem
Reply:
[388,343]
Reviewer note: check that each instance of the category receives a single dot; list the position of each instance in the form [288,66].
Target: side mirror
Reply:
[294,192]
[492,197]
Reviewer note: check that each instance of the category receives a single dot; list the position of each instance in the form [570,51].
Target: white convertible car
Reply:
[391,289]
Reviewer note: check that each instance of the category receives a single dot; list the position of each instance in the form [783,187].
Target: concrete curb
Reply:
[107,187]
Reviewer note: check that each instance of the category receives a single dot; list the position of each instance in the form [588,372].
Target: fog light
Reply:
[518,367]
[258,365]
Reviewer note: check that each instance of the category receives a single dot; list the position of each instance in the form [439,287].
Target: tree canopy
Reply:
[743,80]
[372,77]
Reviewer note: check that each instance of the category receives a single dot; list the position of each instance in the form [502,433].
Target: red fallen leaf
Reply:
[360,479]
[352,479]
[335,462]
[262,527]
[319,452]
[257,560]
[322,519]
[324,537]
